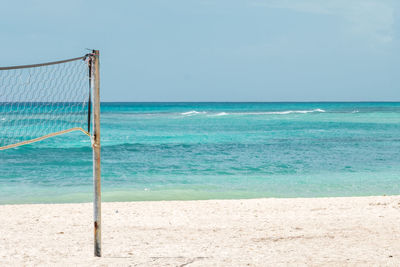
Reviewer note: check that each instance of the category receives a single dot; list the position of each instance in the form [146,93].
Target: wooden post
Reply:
[96,153]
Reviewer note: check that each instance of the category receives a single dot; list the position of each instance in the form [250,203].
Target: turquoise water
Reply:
[154,151]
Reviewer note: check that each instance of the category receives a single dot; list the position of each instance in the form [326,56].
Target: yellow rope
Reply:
[44,137]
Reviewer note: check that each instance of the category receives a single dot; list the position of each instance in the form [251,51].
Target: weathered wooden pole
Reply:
[96,153]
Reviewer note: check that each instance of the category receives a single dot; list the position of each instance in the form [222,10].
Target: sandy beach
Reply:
[254,232]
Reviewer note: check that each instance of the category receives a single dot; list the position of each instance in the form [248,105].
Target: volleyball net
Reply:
[44,100]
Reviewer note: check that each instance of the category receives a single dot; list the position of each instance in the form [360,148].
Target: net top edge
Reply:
[43,64]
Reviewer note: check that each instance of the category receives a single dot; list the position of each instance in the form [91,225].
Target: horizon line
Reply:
[357,101]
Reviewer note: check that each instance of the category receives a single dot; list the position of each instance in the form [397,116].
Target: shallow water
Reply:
[154,151]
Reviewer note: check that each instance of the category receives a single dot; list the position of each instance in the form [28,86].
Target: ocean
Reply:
[189,151]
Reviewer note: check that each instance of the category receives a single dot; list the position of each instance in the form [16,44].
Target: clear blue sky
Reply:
[206,50]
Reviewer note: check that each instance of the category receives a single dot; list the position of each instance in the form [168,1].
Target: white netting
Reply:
[42,100]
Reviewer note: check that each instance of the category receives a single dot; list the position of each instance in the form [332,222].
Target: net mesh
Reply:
[43,100]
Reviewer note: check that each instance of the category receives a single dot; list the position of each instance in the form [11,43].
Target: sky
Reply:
[210,50]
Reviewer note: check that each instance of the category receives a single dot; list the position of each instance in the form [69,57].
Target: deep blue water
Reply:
[153,151]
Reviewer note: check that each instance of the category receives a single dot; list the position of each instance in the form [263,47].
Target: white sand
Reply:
[258,232]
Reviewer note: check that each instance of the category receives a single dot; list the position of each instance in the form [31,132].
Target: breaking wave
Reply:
[285,112]
[193,112]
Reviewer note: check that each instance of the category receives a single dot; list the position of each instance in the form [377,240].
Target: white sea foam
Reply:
[285,112]
[219,114]
[193,112]
[298,111]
